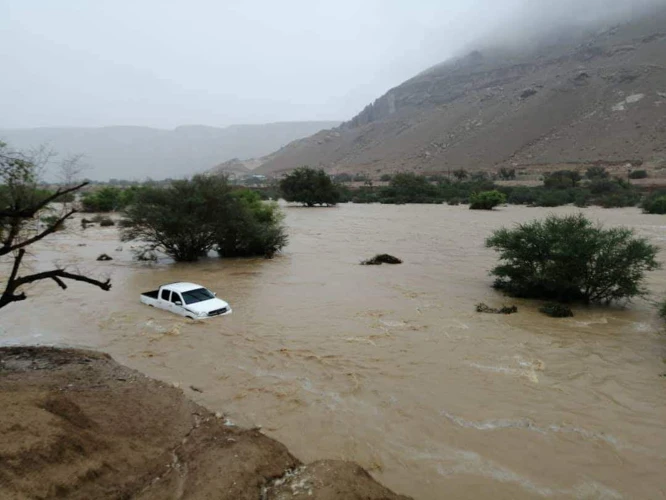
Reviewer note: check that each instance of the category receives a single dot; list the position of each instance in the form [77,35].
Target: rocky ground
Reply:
[76,424]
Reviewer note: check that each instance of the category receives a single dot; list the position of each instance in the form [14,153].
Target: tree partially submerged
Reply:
[21,203]
[571,259]
[310,187]
[256,228]
[189,218]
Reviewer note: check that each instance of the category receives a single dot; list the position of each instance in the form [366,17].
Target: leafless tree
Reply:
[20,202]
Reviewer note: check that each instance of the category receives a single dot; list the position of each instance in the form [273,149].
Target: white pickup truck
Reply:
[186,299]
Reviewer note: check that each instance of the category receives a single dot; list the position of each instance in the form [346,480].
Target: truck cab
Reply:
[186,299]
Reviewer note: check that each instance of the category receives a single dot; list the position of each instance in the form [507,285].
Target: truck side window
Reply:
[165,294]
[175,297]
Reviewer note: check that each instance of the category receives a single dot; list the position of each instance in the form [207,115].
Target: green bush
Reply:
[582,198]
[460,174]
[638,174]
[410,188]
[662,310]
[597,173]
[562,179]
[570,258]
[555,310]
[612,193]
[655,203]
[385,177]
[506,174]
[108,199]
[51,220]
[621,199]
[486,200]
[554,198]
[521,195]
[309,187]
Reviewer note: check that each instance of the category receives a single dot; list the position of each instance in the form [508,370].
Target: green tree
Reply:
[409,188]
[310,187]
[596,172]
[486,200]
[569,258]
[562,179]
[189,218]
[460,174]
[255,229]
[506,174]
[179,220]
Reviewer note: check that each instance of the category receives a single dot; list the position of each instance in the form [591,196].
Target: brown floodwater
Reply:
[390,366]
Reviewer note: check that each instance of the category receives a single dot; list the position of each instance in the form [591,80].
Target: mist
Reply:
[168,63]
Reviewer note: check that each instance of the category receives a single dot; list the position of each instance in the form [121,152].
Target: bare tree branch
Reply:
[10,295]
[28,212]
[19,173]
[9,247]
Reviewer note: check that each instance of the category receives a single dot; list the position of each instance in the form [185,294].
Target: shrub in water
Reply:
[655,204]
[570,258]
[486,200]
[555,310]
[521,195]
[553,198]
[51,220]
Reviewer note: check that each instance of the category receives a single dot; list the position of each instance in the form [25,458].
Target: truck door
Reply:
[177,303]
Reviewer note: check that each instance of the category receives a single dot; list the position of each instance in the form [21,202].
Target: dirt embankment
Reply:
[76,424]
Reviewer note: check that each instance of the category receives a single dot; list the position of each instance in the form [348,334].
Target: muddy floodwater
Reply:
[390,366]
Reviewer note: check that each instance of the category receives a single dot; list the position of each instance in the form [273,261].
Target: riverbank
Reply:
[76,424]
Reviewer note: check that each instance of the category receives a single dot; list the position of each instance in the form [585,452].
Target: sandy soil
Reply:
[76,424]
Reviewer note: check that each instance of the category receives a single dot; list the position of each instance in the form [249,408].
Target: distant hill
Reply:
[140,152]
[575,98]
[238,168]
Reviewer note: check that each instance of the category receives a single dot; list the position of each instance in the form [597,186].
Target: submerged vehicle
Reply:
[186,299]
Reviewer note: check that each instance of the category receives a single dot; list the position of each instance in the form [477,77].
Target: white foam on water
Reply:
[528,424]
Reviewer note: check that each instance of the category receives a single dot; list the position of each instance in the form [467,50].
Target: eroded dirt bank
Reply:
[76,424]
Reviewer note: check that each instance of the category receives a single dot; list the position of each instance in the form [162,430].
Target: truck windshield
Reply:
[198,295]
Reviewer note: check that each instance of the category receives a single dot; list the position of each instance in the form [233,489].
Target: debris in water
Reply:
[483,308]
[556,310]
[195,388]
[382,258]
[104,257]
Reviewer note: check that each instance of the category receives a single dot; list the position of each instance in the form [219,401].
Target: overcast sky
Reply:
[165,63]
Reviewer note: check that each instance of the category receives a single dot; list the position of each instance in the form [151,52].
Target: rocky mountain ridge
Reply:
[592,97]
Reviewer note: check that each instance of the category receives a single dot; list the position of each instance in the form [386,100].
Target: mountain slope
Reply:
[575,98]
[139,152]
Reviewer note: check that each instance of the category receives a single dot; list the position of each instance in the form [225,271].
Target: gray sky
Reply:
[165,63]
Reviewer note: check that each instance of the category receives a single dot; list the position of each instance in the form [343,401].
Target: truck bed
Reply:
[152,294]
